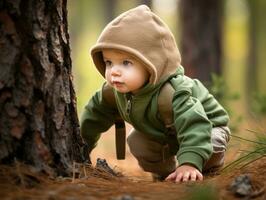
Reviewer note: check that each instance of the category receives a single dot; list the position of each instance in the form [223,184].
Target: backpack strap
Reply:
[165,107]
[120,130]
[108,95]
[165,111]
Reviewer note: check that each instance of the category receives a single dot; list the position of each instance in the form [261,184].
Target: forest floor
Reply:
[23,182]
[19,181]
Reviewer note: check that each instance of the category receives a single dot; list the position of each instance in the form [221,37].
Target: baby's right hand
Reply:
[185,173]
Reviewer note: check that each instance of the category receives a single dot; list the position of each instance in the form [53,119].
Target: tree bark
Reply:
[256,63]
[147,2]
[38,118]
[252,58]
[201,42]
[109,7]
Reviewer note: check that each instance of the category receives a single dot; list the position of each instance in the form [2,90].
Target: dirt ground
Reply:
[23,182]
[19,181]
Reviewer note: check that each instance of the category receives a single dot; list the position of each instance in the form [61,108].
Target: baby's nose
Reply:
[115,71]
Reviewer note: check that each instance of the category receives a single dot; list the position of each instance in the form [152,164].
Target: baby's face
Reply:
[124,72]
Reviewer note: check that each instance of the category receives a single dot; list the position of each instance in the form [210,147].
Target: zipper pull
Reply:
[129,104]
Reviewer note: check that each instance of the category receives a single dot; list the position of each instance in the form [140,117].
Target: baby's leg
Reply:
[152,156]
[220,137]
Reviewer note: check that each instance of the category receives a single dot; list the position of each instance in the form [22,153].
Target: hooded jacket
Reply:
[144,35]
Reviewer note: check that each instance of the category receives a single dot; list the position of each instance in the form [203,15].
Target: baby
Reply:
[138,56]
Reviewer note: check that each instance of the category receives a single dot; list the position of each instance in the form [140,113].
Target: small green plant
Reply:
[219,89]
[258,104]
[258,151]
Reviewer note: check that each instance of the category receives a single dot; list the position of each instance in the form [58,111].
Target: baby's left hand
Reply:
[185,173]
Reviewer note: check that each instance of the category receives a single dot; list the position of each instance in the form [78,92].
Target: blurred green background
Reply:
[241,84]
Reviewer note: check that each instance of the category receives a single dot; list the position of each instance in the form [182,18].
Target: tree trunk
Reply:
[147,2]
[109,7]
[252,59]
[201,45]
[257,30]
[38,118]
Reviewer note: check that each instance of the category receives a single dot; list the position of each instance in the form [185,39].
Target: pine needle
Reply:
[256,142]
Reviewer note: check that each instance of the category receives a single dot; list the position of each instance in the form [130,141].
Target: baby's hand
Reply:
[185,173]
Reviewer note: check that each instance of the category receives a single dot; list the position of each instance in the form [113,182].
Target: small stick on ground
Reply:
[20,174]
[73,172]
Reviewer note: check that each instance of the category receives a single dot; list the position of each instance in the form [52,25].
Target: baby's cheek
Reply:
[107,75]
[108,80]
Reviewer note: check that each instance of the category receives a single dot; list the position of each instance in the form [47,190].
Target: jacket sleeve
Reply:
[98,116]
[193,130]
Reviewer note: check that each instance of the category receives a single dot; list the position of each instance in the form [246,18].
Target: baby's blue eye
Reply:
[127,63]
[108,63]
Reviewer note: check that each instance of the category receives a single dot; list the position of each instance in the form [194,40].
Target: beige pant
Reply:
[155,158]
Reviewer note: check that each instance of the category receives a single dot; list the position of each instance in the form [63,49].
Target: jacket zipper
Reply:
[129,104]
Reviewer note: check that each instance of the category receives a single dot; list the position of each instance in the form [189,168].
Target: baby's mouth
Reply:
[117,83]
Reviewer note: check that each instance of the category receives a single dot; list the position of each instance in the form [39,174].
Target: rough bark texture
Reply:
[200,44]
[38,118]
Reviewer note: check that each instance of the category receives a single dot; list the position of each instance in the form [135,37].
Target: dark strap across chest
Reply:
[165,111]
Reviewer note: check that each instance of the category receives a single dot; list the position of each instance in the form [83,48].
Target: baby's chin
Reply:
[120,88]
[122,91]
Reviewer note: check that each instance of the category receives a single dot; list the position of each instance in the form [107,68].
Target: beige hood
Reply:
[145,36]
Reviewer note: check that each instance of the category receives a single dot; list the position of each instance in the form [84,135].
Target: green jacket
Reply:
[145,36]
[195,113]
